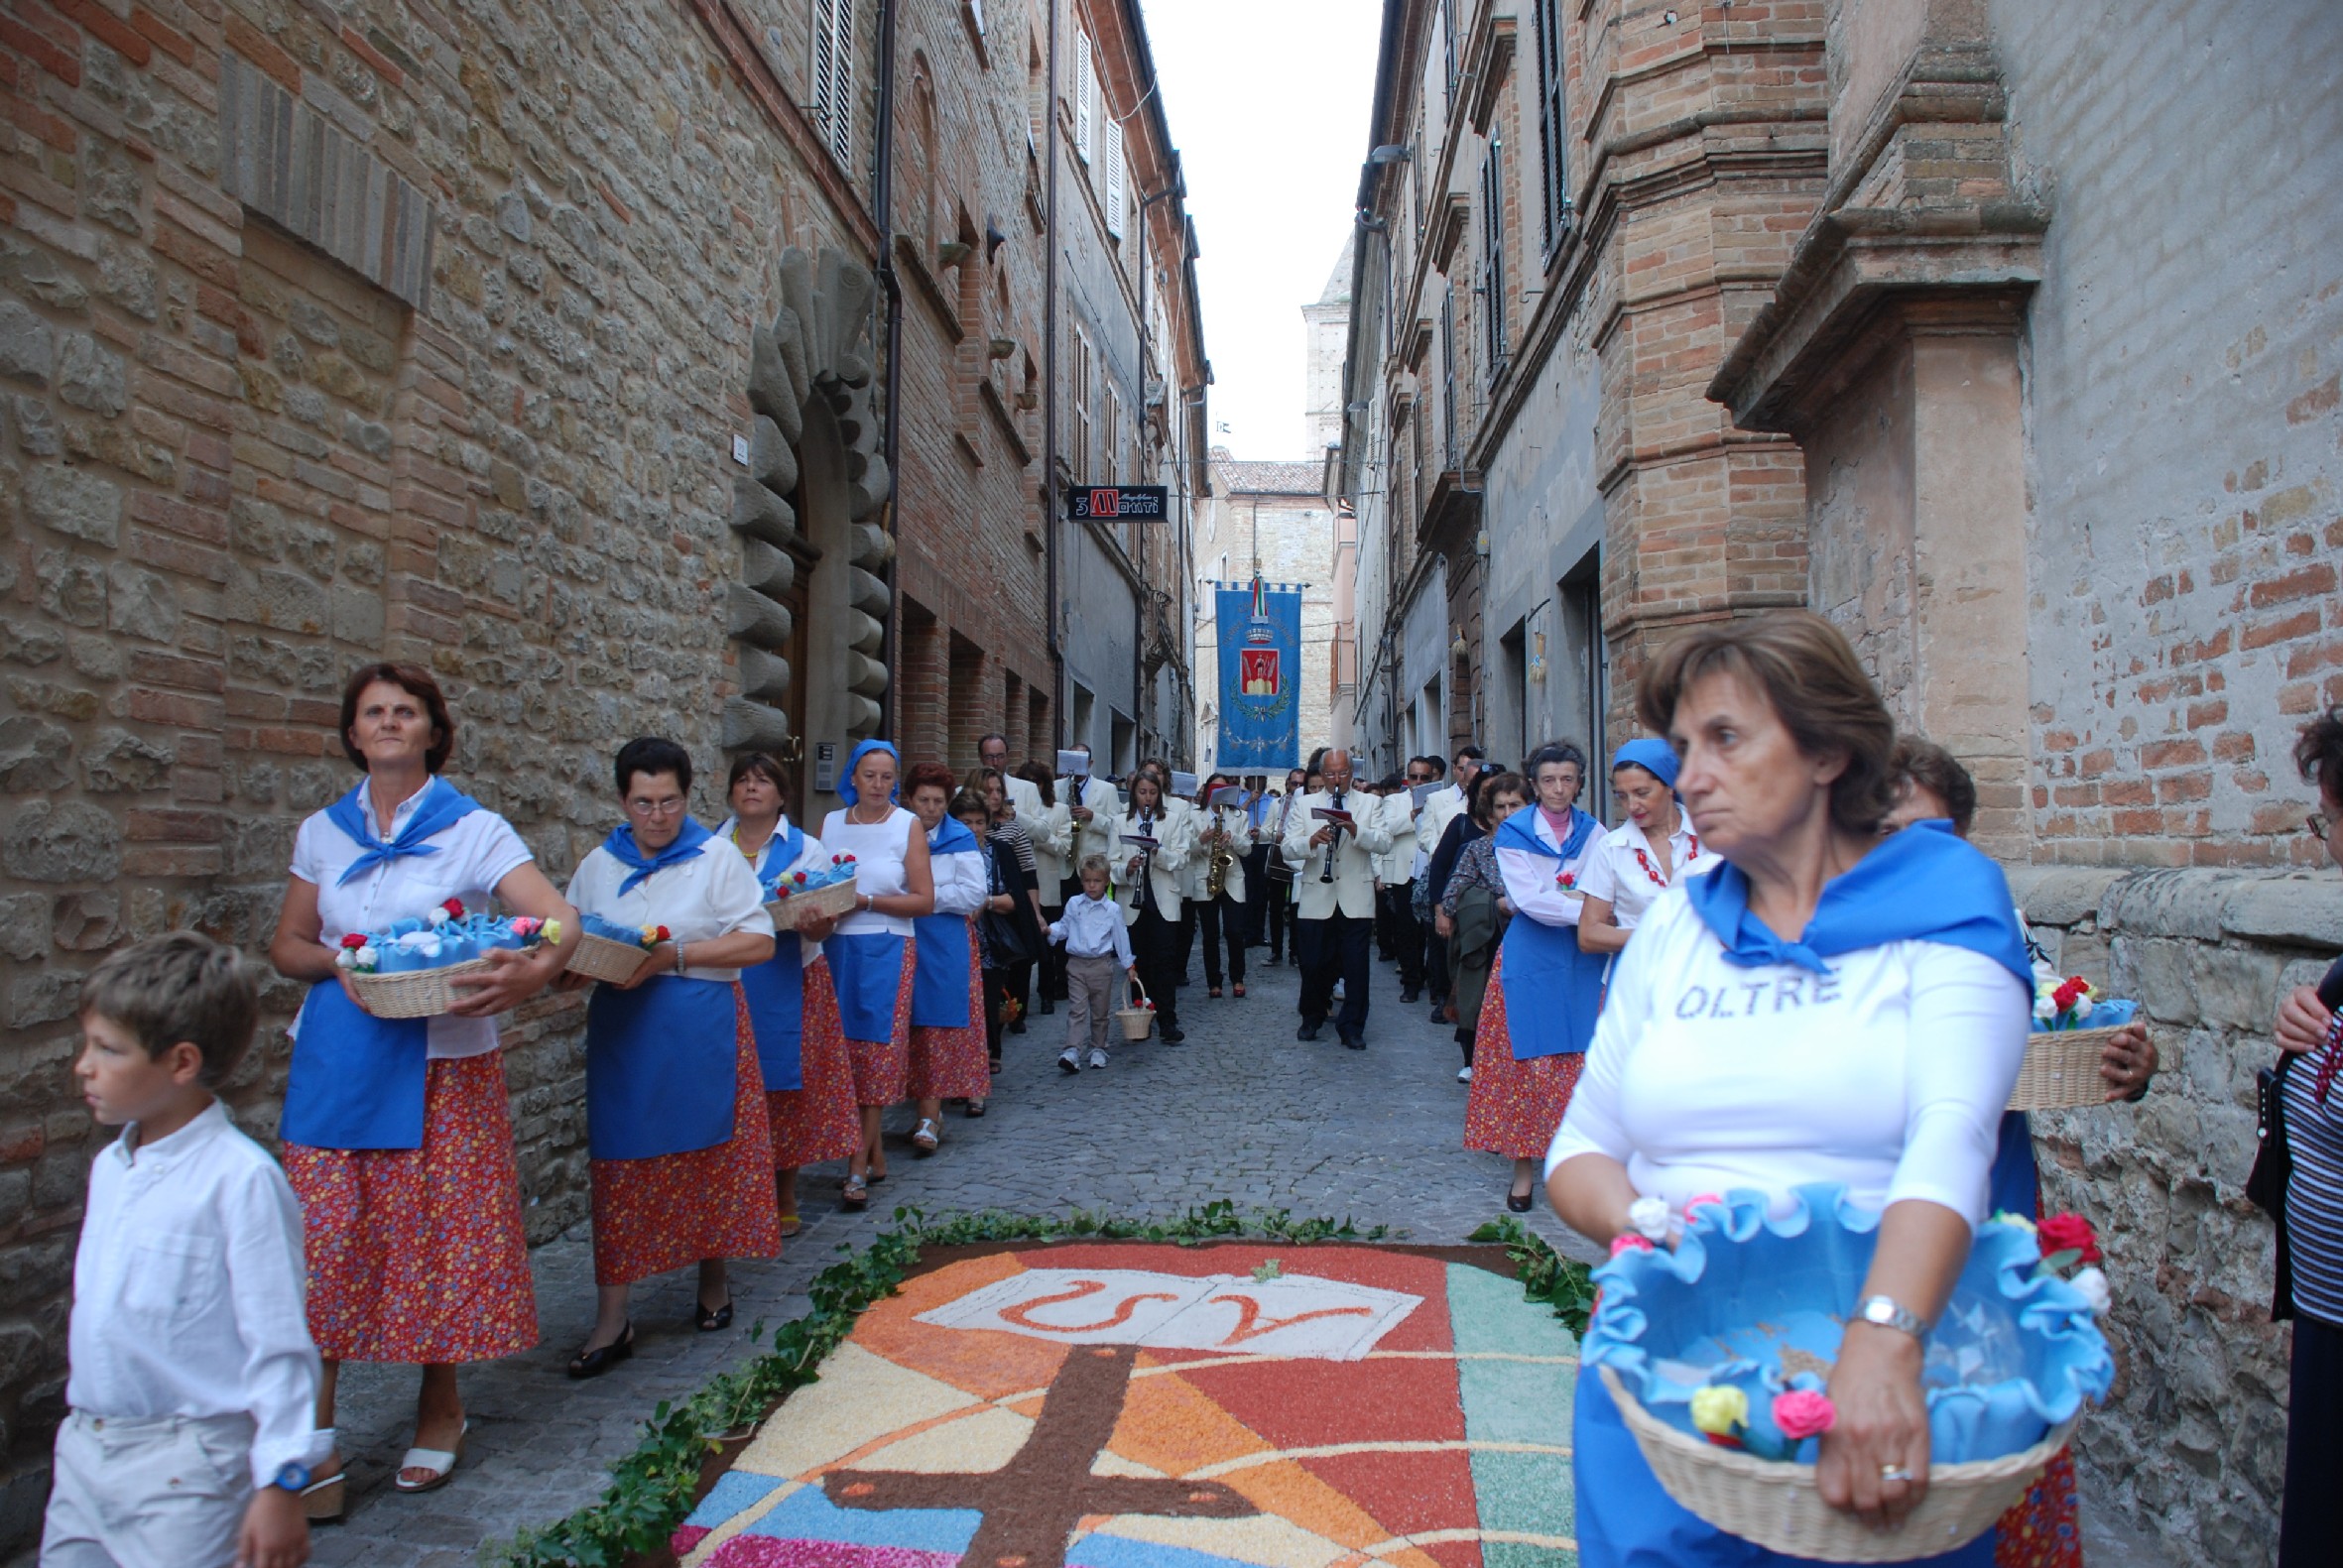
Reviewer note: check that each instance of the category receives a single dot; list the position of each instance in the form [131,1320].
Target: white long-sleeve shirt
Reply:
[187,1290]
[1889,1075]
[1092,928]
[959,879]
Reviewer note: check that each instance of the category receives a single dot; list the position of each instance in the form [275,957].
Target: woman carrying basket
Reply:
[676,1123]
[1827,1005]
[398,1132]
[870,950]
[793,1004]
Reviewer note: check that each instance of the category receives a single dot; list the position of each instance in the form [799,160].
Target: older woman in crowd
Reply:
[676,1123]
[948,1060]
[2310,1029]
[1474,910]
[870,951]
[793,1004]
[397,1133]
[1899,1002]
[1539,1011]
[2042,1531]
[1644,856]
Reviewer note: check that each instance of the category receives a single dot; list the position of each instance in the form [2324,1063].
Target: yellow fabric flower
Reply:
[1719,1409]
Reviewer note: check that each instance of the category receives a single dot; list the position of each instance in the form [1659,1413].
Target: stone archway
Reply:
[810,547]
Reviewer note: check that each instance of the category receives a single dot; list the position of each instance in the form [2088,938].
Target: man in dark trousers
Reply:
[1333,861]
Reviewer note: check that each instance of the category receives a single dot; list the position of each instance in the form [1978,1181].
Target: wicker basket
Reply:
[601,958]
[1778,1505]
[416,993]
[832,901]
[2062,1069]
[1136,1021]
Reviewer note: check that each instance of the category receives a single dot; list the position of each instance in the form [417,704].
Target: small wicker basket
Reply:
[1136,1021]
[601,958]
[832,901]
[1780,1506]
[2062,1069]
[416,993]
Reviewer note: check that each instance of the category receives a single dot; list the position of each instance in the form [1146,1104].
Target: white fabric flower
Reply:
[368,957]
[2082,1008]
[1649,1217]
[2045,1008]
[2095,1290]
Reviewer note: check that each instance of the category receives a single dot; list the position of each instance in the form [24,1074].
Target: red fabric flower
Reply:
[2069,1233]
[2069,992]
[664,934]
[455,909]
[353,940]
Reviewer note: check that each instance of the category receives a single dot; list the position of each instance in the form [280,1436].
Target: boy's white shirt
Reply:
[187,1292]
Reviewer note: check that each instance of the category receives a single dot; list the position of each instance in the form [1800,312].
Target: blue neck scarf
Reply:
[846,790]
[780,850]
[1923,885]
[1655,757]
[951,837]
[1520,831]
[442,806]
[621,848]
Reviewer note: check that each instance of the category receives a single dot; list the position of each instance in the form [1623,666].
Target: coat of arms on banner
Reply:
[1257,672]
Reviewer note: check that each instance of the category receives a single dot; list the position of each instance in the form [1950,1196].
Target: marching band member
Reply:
[1335,878]
[1221,917]
[1151,845]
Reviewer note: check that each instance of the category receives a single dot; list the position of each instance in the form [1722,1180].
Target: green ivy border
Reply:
[651,1489]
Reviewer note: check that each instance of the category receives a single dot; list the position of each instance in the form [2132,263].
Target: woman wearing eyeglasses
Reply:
[675,1125]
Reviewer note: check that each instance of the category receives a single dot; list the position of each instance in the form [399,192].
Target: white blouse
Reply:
[877,850]
[960,887]
[1529,880]
[711,895]
[1614,875]
[472,857]
[813,855]
[1889,1075]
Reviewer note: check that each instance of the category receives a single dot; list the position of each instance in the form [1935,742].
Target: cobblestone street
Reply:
[1242,1111]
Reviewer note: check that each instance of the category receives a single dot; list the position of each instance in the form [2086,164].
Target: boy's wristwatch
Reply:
[294,1477]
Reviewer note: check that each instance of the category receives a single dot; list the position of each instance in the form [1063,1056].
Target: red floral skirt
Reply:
[953,1063]
[417,1256]
[816,1121]
[1515,1106]
[2042,1530]
[882,1068]
[659,1214]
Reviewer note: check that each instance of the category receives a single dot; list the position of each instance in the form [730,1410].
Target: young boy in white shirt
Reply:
[194,1384]
[1095,942]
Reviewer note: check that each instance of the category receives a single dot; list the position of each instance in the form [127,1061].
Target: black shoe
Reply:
[1410,994]
[1354,1041]
[594,1363]
[1520,1202]
[1308,1031]
[1171,1036]
[1017,1027]
[1439,1011]
[717,1321]
[1042,1009]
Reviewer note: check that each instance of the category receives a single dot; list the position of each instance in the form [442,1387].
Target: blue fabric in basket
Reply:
[2012,1355]
[595,925]
[2103,1016]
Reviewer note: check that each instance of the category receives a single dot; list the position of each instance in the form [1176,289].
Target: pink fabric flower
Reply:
[1705,1197]
[1803,1413]
[1630,1241]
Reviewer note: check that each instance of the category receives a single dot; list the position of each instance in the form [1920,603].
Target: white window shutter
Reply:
[1114,177]
[1085,95]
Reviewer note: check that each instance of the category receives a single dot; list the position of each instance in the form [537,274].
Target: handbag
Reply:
[1006,940]
[2274,1168]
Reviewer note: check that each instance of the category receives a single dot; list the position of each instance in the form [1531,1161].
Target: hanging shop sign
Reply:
[1148,503]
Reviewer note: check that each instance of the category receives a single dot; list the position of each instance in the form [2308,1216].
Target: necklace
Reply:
[853,815]
[1692,854]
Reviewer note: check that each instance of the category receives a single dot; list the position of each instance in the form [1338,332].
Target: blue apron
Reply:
[776,988]
[940,985]
[1626,1520]
[2016,1189]
[357,1081]
[662,1067]
[866,970]
[1552,991]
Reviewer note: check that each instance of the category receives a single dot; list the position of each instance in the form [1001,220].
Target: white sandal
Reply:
[441,1462]
[926,1137]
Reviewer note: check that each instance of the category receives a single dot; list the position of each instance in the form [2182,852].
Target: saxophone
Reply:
[1223,856]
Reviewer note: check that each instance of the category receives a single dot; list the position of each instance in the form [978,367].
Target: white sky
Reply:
[1268,103]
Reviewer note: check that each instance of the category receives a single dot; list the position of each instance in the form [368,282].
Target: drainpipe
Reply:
[882,199]
[1049,385]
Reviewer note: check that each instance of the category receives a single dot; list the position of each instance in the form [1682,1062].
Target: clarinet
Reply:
[1334,843]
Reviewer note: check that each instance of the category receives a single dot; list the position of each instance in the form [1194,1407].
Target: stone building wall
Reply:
[2192,1442]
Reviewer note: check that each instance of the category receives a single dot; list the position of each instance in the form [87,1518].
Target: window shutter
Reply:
[1085,95]
[834,75]
[1114,176]
[1552,130]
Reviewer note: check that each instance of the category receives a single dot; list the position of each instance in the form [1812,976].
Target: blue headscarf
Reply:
[846,790]
[1652,756]
[1921,885]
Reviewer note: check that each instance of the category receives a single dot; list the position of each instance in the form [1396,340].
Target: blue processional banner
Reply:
[1260,663]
